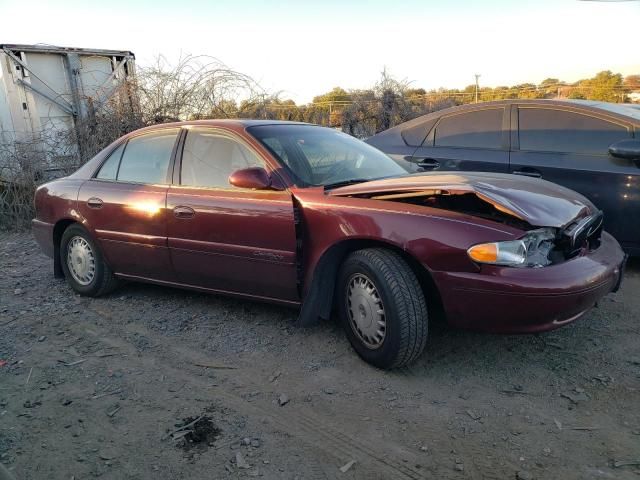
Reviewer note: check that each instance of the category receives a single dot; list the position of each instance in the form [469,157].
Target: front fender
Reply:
[334,226]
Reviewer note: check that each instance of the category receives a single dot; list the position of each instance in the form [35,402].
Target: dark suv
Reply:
[591,147]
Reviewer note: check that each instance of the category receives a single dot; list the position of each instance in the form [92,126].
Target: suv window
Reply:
[550,130]
[209,158]
[477,129]
[146,158]
[109,169]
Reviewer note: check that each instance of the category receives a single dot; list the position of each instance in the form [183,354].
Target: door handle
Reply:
[183,212]
[95,202]
[428,163]
[530,172]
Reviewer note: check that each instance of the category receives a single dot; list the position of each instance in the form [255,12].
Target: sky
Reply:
[305,48]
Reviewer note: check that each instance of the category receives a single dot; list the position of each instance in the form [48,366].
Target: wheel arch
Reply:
[58,230]
[319,300]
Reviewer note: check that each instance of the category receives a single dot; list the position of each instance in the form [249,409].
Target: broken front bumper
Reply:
[525,300]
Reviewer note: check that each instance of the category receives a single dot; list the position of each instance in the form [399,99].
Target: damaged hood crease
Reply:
[535,201]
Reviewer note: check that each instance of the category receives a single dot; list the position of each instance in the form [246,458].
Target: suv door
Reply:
[570,147]
[124,204]
[226,238]
[470,140]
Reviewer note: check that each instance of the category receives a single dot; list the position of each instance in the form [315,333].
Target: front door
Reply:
[124,205]
[570,147]
[476,140]
[226,238]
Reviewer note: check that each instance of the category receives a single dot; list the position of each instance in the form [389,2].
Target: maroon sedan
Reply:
[307,216]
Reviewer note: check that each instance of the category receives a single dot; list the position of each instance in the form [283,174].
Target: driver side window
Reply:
[210,157]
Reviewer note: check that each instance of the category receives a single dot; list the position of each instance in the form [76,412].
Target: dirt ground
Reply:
[153,382]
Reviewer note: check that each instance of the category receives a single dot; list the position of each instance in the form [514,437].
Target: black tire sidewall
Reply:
[385,355]
[96,284]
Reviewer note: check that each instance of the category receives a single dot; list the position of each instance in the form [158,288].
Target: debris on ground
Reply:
[214,366]
[194,432]
[474,415]
[575,398]
[626,463]
[241,462]
[523,475]
[347,466]
[116,408]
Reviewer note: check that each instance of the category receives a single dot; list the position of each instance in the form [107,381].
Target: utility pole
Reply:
[477,75]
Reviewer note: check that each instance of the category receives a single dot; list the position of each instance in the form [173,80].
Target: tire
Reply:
[377,286]
[92,281]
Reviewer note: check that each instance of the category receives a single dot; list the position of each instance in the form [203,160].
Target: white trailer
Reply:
[45,91]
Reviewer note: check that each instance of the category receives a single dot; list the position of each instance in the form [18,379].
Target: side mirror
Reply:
[255,178]
[627,149]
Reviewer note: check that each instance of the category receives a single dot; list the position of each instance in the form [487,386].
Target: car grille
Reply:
[585,233]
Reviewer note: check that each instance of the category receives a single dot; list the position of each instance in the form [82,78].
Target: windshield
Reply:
[322,156]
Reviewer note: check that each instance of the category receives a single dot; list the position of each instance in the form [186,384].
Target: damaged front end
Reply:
[558,224]
[538,247]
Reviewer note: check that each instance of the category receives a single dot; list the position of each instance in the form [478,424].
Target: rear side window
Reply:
[209,158]
[478,129]
[146,158]
[549,130]
[109,169]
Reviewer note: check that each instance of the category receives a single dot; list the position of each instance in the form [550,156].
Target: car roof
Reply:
[627,109]
[623,109]
[234,123]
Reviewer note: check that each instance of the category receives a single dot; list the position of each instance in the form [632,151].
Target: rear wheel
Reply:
[382,308]
[83,264]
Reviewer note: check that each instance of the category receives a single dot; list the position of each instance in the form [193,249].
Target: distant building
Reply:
[46,90]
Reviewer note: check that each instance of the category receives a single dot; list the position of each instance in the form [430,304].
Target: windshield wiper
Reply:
[344,183]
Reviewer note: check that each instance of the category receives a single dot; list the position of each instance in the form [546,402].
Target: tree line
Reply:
[391,101]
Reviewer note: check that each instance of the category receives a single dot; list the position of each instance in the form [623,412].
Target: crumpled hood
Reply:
[536,201]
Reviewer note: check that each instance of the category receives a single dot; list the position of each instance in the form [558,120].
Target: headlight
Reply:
[532,250]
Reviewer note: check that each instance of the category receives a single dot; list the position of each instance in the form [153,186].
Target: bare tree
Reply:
[195,87]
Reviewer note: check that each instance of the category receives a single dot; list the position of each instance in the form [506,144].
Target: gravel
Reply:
[98,387]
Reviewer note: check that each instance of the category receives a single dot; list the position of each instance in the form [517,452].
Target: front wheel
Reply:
[382,308]
[83,265]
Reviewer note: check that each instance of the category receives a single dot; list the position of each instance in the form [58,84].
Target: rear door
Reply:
[476,140]
[570,147]
[227,238]
[124,205]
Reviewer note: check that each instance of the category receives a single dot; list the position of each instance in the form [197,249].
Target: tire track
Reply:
[304,425]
